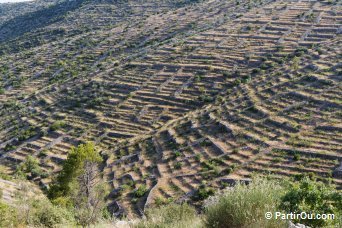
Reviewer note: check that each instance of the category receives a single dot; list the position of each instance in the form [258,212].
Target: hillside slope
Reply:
[285,122]
[176,93]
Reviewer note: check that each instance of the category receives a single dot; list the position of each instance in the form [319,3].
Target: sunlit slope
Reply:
[177,94]
[282,122]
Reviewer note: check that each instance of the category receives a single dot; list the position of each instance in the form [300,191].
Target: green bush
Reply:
[30,166]
[9,147]
[245,206]
[177,154]
[256,71]
[8,216]
[27,133]
[57,125]
[178,165]
[170,216]
[4,175]
[44,214]
[202,193]
[198,157]
[296,157]
[141,191]
[310,196]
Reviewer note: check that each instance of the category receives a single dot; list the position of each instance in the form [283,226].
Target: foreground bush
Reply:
[8,216]
[245,206]
[34,213]
[171,216]
[313,198]
[43,213]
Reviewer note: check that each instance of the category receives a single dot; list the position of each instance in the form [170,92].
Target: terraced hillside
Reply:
[177,94]
[284,122]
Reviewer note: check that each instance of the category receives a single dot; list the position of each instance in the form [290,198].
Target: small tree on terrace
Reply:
[89,200]
[74,166]
[79,184]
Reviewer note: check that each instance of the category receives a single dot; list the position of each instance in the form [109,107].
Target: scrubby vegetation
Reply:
[76,195]
[34,211]
[243,205]
[246,205]
[171,216]
[30,169]
[313,197]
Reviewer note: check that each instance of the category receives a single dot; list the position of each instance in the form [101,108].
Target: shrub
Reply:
[310,196]
[161,201]
[177,153]
[237,82]
[27,133]
[4,175]
[205,98]
[8,216]
[246,79]
[202,193]
[178,165]
[9,147]
[42,153]
[62,202]
[296,157]
[44,214]
[57,125]
[30,166]
[170,216]
[244,206]
[198,157]
[38,172]
[34,212]
[205,143]
[301,51]
[225,74]
[141,191]
[256,71]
